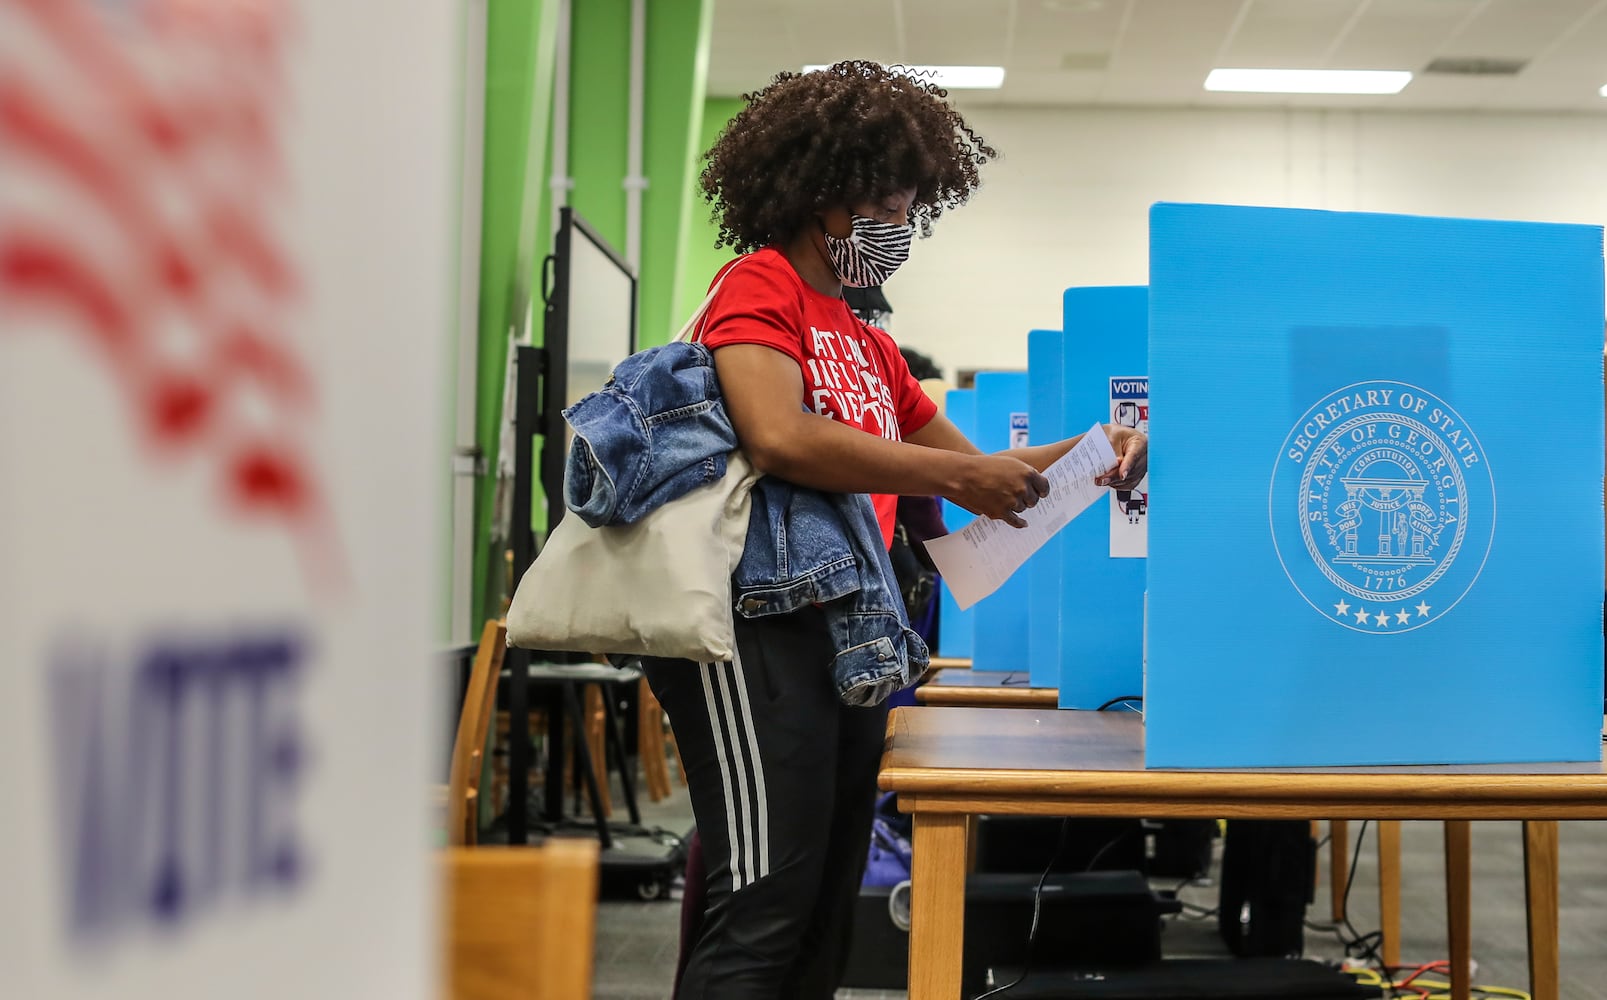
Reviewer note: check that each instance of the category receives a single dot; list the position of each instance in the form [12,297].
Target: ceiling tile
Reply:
[1047,31]
[1294,34]
[1517,28]
[1399,34]
[976,33]
[1164,34]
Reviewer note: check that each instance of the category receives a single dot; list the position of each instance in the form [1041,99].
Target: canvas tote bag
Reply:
[659,587]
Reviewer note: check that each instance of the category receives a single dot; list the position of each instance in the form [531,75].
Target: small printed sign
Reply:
[1018,430]
[1129,509]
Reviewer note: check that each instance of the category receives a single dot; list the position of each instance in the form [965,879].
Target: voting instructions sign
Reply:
[1019,428]
[1358,512]
[1129,534]
[226,259]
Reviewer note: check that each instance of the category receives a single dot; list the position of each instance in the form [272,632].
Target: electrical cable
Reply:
[1117,701]
[1440,966]
[1366,944]
[1037,903]
[1442,989]
[1420,985]
[1492,991]
[1422,991]
[1201,912]
[1192,911]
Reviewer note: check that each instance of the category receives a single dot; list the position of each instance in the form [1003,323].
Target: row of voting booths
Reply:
[1379,463]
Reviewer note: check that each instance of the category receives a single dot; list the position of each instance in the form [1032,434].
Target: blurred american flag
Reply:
[141,178]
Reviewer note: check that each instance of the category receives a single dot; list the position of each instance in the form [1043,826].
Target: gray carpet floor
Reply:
[636,942]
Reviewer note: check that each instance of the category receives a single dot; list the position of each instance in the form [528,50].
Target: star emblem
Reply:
[1422,609]
[1341,609]
[1403,616]
[1361,616]
[1382,620]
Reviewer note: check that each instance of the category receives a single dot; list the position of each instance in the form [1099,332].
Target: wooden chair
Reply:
[521,921]
[468,751]
[597,743]
[650,743]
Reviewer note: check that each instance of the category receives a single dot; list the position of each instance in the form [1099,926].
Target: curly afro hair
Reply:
[853,132]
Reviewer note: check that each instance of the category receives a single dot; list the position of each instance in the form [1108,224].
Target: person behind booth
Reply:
[821,181]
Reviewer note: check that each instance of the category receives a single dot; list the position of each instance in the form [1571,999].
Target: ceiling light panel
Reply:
[951,77]
[1308,81]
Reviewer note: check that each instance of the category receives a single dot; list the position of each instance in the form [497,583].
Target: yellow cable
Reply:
[1436,984]
[1371,977]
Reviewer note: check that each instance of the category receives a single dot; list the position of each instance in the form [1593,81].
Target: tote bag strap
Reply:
[693,331]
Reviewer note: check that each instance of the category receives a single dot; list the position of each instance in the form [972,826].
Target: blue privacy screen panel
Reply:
[956,629]
[1001,617]
[1045,389]
[1101,597]
[1380,456]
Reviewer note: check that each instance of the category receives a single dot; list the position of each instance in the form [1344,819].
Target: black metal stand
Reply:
[527,422]
[561,687]
[584,765]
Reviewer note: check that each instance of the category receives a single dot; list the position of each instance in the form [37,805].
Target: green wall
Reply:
[521,43]
[699,258]
[516,234]
[677,70]
[599,108]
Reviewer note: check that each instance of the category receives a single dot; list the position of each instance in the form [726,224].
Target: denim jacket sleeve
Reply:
[653,433]
[808,547]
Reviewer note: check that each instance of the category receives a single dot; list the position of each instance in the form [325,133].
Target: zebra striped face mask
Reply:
[871,253]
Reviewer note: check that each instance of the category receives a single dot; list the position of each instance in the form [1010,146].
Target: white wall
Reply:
[1067,204]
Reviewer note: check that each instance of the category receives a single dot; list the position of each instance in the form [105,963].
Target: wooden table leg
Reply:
[1458,903]
[1338,866]
[1389,889]
[937,906]
[1540,886]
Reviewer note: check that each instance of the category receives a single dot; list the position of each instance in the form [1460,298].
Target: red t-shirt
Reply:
[852,372]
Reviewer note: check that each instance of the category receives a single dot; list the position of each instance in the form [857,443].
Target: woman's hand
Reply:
[999,487]
[1132,458]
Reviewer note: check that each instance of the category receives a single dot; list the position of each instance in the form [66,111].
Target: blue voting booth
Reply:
[1101,591]
[1046,407]
[1381,449]
[956,629]
[1001,617]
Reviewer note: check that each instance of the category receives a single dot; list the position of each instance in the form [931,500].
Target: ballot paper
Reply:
[979,557]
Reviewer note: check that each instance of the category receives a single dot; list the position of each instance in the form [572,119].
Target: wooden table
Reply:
[985,688]
[947,764]
[1005,689]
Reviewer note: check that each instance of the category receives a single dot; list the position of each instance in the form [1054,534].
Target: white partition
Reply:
[226,244]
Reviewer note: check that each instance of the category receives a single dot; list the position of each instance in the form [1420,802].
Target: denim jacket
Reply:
[655,432]
[658,429]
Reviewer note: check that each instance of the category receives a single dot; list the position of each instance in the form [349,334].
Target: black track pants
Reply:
[783,784]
